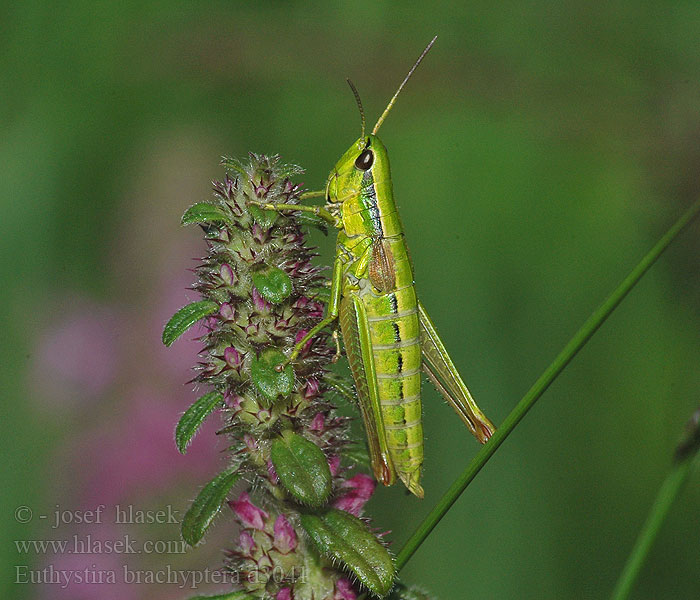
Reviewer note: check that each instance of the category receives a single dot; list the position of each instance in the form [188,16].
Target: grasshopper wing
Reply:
[358,346]
[382,271]
[442,372]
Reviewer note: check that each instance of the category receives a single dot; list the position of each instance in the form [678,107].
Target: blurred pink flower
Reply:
[133,452]
[77,357]
[87,573]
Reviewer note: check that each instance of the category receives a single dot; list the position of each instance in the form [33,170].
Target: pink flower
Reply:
[272,473]
[317,310]
[334,464]
[317,423]
[285,536]
[344,591]
[227,274]
[261,305]
[361,489]
[232,400]
[259,234]
[312,387]
[247,544]
[232,357]
[248,514]
[300,336]
[284,594]
[263,416]
[250,442]
[226,311]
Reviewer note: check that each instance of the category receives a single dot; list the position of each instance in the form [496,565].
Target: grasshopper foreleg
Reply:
[336,339]
[331,316]
[316,194]
[317,210]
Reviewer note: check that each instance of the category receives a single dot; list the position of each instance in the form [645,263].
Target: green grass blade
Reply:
[540,386]
[671,487]
[657,515]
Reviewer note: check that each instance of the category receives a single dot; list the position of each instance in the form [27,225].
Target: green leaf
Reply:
[273,284]
[342,387]
[234,165]
[194,416]
[289,170]
[207,505]
[322,294]
[343,537]
[312,220]
[265,218]
[302,468]
[204,212]
[270,382]
[187,316]
[229,596]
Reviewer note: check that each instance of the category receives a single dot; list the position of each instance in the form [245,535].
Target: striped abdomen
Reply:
[396,350]
[394,336]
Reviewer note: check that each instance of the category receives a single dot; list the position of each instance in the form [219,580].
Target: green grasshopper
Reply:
[388,336]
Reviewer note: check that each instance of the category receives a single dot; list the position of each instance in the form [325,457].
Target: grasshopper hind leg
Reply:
[442,372]
[358,347]
[482,429]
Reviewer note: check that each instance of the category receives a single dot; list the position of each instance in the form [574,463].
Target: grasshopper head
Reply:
[364,163]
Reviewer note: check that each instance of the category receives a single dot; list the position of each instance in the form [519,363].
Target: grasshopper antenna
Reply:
[391,102]
[359,105]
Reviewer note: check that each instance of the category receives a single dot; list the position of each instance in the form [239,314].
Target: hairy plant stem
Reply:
[540,386]
[670,488]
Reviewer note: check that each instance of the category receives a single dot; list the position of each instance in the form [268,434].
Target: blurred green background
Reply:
[537,154]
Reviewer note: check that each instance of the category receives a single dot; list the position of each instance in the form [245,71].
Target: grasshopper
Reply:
[388,336]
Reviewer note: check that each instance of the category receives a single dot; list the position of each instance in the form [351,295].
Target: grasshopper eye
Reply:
[365,160]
